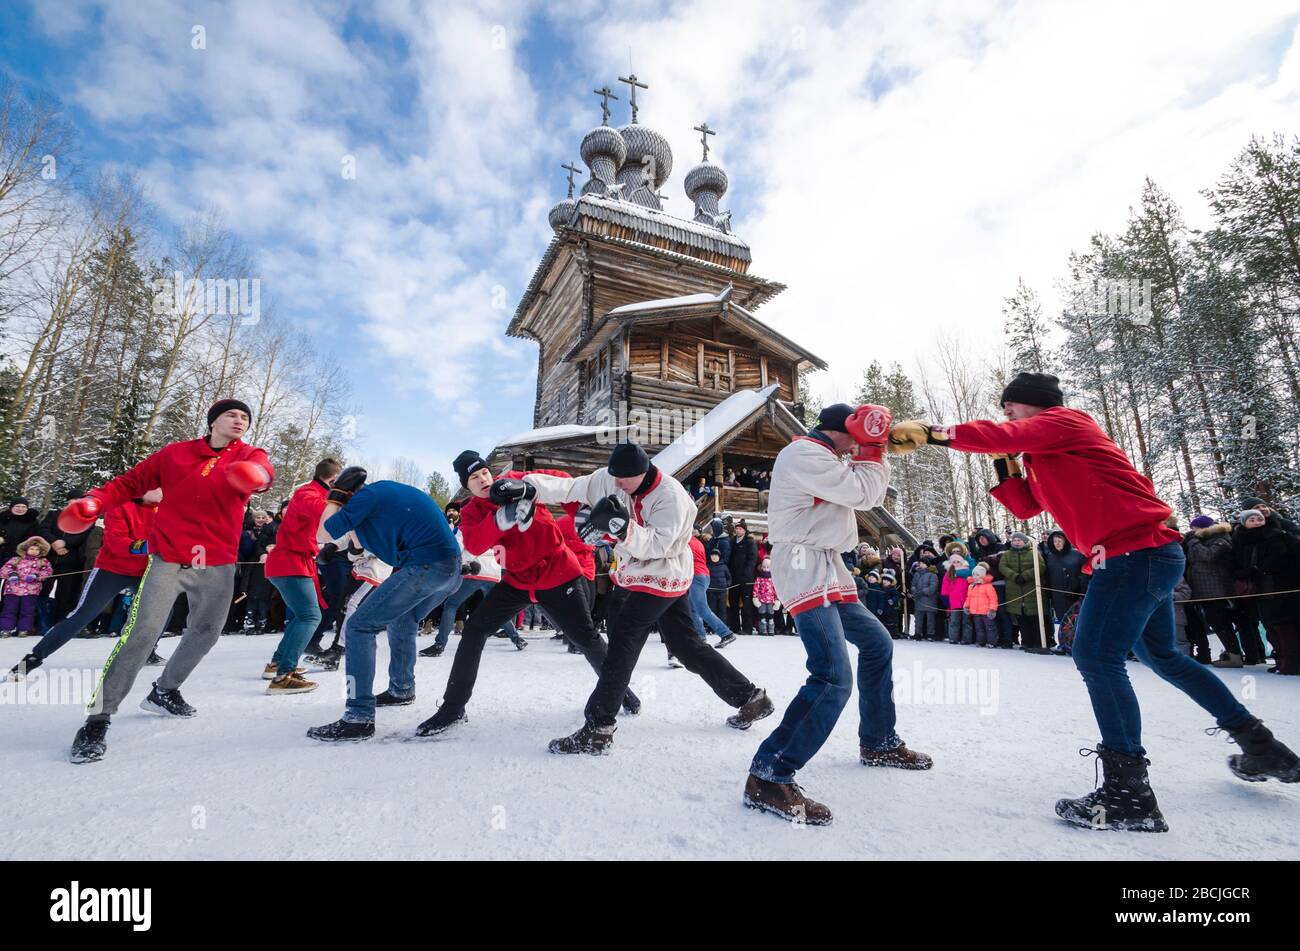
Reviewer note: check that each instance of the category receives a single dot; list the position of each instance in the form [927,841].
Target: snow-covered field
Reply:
[242,781]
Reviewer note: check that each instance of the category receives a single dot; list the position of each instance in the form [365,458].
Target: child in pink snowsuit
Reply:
[765,598]
[22,587]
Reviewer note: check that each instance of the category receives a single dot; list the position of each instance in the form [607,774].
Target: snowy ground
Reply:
[242,781]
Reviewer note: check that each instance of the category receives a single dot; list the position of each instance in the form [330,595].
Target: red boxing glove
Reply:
[248,477]
[869,426]
[79,515]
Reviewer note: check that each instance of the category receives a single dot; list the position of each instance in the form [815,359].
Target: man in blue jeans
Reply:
[811,521]
[478,573]
[1110,512]
[405,528]
[698,596]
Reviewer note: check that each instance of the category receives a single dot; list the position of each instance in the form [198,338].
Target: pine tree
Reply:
[1026,331]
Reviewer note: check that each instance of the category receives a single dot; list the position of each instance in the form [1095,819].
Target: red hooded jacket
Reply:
[1079,476]
[294,554]
[123,527]
[202,513]
[537,558]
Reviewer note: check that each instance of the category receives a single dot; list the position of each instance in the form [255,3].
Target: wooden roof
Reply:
[753,291]
[722,307]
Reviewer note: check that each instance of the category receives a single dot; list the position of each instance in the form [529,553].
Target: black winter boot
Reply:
[1124,801]
[167,703]
[1262,757]
[446,718]
[592,739]
[342,731]
[90,743]
[24,667]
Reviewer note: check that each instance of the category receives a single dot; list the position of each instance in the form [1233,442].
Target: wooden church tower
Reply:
[639,314]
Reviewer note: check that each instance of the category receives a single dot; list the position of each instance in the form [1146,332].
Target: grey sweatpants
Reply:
[208,591]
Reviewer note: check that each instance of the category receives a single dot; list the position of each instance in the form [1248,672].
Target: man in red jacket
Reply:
[537,567]
[118,567]
[193,548]
[291,568]
[1072,470]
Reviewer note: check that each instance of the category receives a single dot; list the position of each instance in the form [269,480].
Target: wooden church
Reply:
[645,328]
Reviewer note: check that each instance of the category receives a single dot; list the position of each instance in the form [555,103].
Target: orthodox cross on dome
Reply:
[572,170]
[631,80]
[605,94]
[661,196]
[704,131]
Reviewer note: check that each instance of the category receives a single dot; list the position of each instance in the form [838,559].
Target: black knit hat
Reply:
[1034,389]
[466,464]
[221,406]
[18,500]
[831,419]
[628,459]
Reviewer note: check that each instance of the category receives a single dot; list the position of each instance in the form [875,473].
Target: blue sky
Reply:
[898,164]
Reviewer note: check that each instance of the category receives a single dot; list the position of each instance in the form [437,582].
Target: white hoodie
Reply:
[810,521]
[655,556]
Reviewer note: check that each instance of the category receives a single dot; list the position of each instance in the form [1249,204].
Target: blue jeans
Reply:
[811,716]
[458,597]
[701,614]
[399,604]
[301,615]
[1130,606]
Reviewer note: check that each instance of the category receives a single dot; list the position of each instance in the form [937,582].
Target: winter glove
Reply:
[139,547]
[349,481]
[1007,467]
[475,567]
[610,517]
[1021,579]
[29,578]
[757,603]
[79,515]
[464,570]
[911,434]
[992,614]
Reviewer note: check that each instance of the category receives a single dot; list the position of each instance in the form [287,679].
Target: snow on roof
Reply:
[547,433]
[715,424]
[666,302]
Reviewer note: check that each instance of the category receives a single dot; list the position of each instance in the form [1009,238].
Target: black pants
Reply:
[96,594]
[565,604]
[631,615]
[741,614]
[1027,626]
[717,598]
[1219,620]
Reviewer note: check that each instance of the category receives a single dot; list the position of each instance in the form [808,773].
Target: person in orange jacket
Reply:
[982,606]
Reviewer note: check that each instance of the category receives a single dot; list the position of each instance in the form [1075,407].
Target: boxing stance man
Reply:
[501,515]
[193,547]
[1072,470]
[811,521]
[650,516]
[405,528]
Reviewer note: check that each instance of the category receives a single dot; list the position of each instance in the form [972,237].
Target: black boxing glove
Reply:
[348,482]
[504,491]
[610,517]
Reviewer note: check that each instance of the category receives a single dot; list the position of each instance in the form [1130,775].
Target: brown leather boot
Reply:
[755,708]
[785,800]
[899,757]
